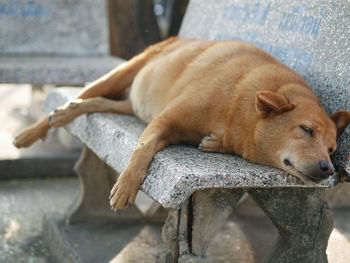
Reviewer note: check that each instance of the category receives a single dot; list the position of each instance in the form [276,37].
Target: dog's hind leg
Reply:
[71,110]
[33,133]
[68,112]
[112,85]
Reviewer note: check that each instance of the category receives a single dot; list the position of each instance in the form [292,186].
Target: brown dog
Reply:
[225,96]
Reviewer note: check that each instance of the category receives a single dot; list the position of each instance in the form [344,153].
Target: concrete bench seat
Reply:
[200,189]
[177,171]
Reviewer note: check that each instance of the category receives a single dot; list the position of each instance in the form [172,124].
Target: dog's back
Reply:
[202,81]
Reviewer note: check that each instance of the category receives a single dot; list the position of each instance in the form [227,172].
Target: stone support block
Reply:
[303,220]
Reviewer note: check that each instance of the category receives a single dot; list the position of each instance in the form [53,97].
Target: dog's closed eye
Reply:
[307,130]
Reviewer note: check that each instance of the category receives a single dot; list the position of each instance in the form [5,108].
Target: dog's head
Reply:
[297,136]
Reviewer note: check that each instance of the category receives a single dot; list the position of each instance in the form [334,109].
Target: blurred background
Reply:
[51,44]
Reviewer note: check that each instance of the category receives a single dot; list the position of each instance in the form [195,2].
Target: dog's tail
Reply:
[113,84]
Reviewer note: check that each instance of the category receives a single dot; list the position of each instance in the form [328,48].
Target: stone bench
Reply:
[200,189]
[54,42]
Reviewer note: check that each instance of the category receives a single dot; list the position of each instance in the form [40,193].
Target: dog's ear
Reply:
[267,101]
[341,119]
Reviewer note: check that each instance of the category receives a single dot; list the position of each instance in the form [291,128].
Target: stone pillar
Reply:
[188,231]
[303,220]
[96,180]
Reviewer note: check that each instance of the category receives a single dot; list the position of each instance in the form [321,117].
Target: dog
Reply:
[225,96]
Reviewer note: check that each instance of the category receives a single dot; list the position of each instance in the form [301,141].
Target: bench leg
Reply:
[303,220]
[188,232]
[96,180]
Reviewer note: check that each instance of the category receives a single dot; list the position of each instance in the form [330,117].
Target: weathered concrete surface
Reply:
[311,37]
[303,220]
[211,209]
[64,70]
[54,27]
[189,231]
[304,223]
[176,172]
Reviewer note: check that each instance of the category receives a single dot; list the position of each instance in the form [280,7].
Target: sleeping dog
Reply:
[225,96]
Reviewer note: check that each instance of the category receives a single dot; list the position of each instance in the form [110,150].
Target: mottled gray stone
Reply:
[188,232]
[311,37]
[303,220]
[170,236]
[176,172]
[60,27]
[210,210]
[54,69]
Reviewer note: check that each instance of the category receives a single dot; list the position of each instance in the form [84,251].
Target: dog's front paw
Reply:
[124,191]
[209,143]
[65,114]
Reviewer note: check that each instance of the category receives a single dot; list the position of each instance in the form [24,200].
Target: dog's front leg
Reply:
[158,134]
[212,143]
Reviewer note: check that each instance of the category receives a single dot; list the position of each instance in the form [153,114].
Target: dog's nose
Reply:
[326,168]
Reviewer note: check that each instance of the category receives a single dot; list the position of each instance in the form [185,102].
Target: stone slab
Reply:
[61,27]
[177,171]
[311,37]
[66,70]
